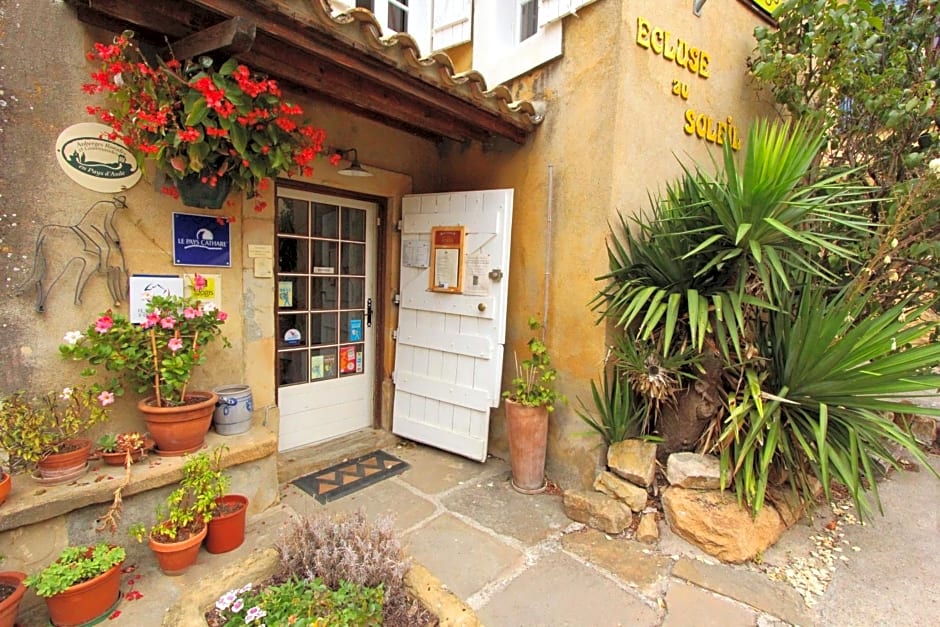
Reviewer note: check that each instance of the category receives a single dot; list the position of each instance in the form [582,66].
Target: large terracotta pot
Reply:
[528,439]
[227,530]
[10,605]
[5,484]
[175,558]
[68,464]
[86,601]
[179,430]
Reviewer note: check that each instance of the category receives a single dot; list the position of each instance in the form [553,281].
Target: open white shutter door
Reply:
[451,23]
[551,10]
[449,355]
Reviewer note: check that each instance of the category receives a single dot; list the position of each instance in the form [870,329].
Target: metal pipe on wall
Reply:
[548,245]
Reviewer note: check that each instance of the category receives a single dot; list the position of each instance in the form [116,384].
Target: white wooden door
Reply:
[449,354]
[325,338]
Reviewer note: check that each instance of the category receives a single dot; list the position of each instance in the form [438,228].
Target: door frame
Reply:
[380,306]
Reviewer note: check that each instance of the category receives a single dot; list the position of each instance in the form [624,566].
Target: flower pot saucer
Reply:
[161,453]
[59,480]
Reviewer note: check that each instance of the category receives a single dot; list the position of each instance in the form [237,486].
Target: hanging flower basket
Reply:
[198,190]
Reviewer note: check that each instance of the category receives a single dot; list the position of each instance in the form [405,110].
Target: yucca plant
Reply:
[620,412]
[816,407]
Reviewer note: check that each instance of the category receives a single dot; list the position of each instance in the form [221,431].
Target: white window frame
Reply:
[497,52]
[419,19]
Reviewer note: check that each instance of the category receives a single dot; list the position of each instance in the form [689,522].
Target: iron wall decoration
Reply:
[201,241]
[92,245]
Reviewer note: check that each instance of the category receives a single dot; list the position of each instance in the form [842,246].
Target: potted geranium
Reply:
[43,430]
[157,358]
[529,400]
[201,123]
[82,584]
[182,521]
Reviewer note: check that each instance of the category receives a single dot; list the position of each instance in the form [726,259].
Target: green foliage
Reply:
[156,357]
[868,72]
[118,442]
[533,385]
[303,602]
[75,565]
[621,412]
[192,503]
[33,427]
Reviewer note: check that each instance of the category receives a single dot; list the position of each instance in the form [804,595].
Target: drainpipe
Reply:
[548,245]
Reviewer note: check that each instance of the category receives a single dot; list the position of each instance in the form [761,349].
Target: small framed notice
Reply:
[447,259]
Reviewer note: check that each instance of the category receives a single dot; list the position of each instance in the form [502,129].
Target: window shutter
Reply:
[451,23]
[552,10]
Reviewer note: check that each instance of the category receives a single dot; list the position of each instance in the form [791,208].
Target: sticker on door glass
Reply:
[359,362]
[329,366]
[292,337]
[316,367]
[355,330]
[347,359]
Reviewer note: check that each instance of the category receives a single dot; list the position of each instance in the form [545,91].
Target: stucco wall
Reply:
[612,134]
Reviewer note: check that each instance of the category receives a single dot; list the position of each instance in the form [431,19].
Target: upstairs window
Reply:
[434,24]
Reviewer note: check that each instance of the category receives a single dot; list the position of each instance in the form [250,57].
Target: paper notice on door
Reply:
[477,278]
[446,268]
[416,253]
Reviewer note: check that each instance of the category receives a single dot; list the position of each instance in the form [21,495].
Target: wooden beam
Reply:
[231,37]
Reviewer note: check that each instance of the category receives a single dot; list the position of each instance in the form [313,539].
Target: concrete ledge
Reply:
[31,502]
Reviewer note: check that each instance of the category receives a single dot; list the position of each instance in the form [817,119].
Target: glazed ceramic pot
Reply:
[179,430]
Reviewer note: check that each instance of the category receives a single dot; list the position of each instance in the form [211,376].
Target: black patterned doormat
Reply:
[347,477]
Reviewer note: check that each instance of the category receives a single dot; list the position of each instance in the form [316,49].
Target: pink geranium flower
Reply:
[152,319]
[223,316]
[190,312]
[104,324]
[168,323]
[175,344]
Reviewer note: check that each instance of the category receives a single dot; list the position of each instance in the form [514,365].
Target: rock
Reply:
[597,510]
[714,522]
[691,470]
[648,531]
[612,485]
[787,503]
[634,460]
[923,428]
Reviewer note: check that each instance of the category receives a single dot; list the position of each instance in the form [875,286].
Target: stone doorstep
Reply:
[30,502]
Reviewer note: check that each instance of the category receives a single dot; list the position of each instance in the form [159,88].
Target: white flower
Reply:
[72,337]
[934,166]
[209,307]
[66,393]
[887,259]
[894,243]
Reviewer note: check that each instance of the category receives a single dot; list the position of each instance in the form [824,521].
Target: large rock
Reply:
[597,510]
[691,470]
[714,522]
[612,485]
[634,460]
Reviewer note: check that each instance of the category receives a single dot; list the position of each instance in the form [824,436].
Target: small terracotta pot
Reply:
[179,430]
[175,558]
[86,601]
[117,457]
[68,463]
[528,440]
[6,483]
[10,605]
[227,531]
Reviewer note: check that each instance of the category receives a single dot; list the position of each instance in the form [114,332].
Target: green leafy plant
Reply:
[75,565]
[533,385]
[120,442]
[304,602]
[192,503]
[33,427]
[621,412]
[157,356]
[193,117]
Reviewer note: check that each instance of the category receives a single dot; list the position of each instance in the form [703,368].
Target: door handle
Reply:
[369,312]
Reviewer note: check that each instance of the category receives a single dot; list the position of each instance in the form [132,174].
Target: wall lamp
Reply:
[697,7]
[354,168]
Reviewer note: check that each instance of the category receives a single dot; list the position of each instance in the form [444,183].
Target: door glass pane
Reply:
[292,330]
[291,292]
[354,224]
[324,292]
[324,257]
[292,216]
[323,328]
[351,359]
[292,255]
[323,363]
[354,259]
[354,294]
[352,326]
[325,220]
[292,367]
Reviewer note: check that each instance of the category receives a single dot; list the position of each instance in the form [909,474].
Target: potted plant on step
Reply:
[12,590]
[82,585]
[182,521]
[157,357]
[116,448]
[208,127]
[227,528]
[43,430]
[529,400]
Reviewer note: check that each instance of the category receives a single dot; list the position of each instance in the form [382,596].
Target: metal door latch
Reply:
[496,274]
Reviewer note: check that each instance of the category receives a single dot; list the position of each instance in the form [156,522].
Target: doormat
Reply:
[347,477]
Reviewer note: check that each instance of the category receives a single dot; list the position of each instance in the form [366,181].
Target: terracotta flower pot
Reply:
[227,529]
[179,430]
[10,605]
[6,482]
[528,440]
[175,558]
[68,463]
[117,457]
[86,601]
